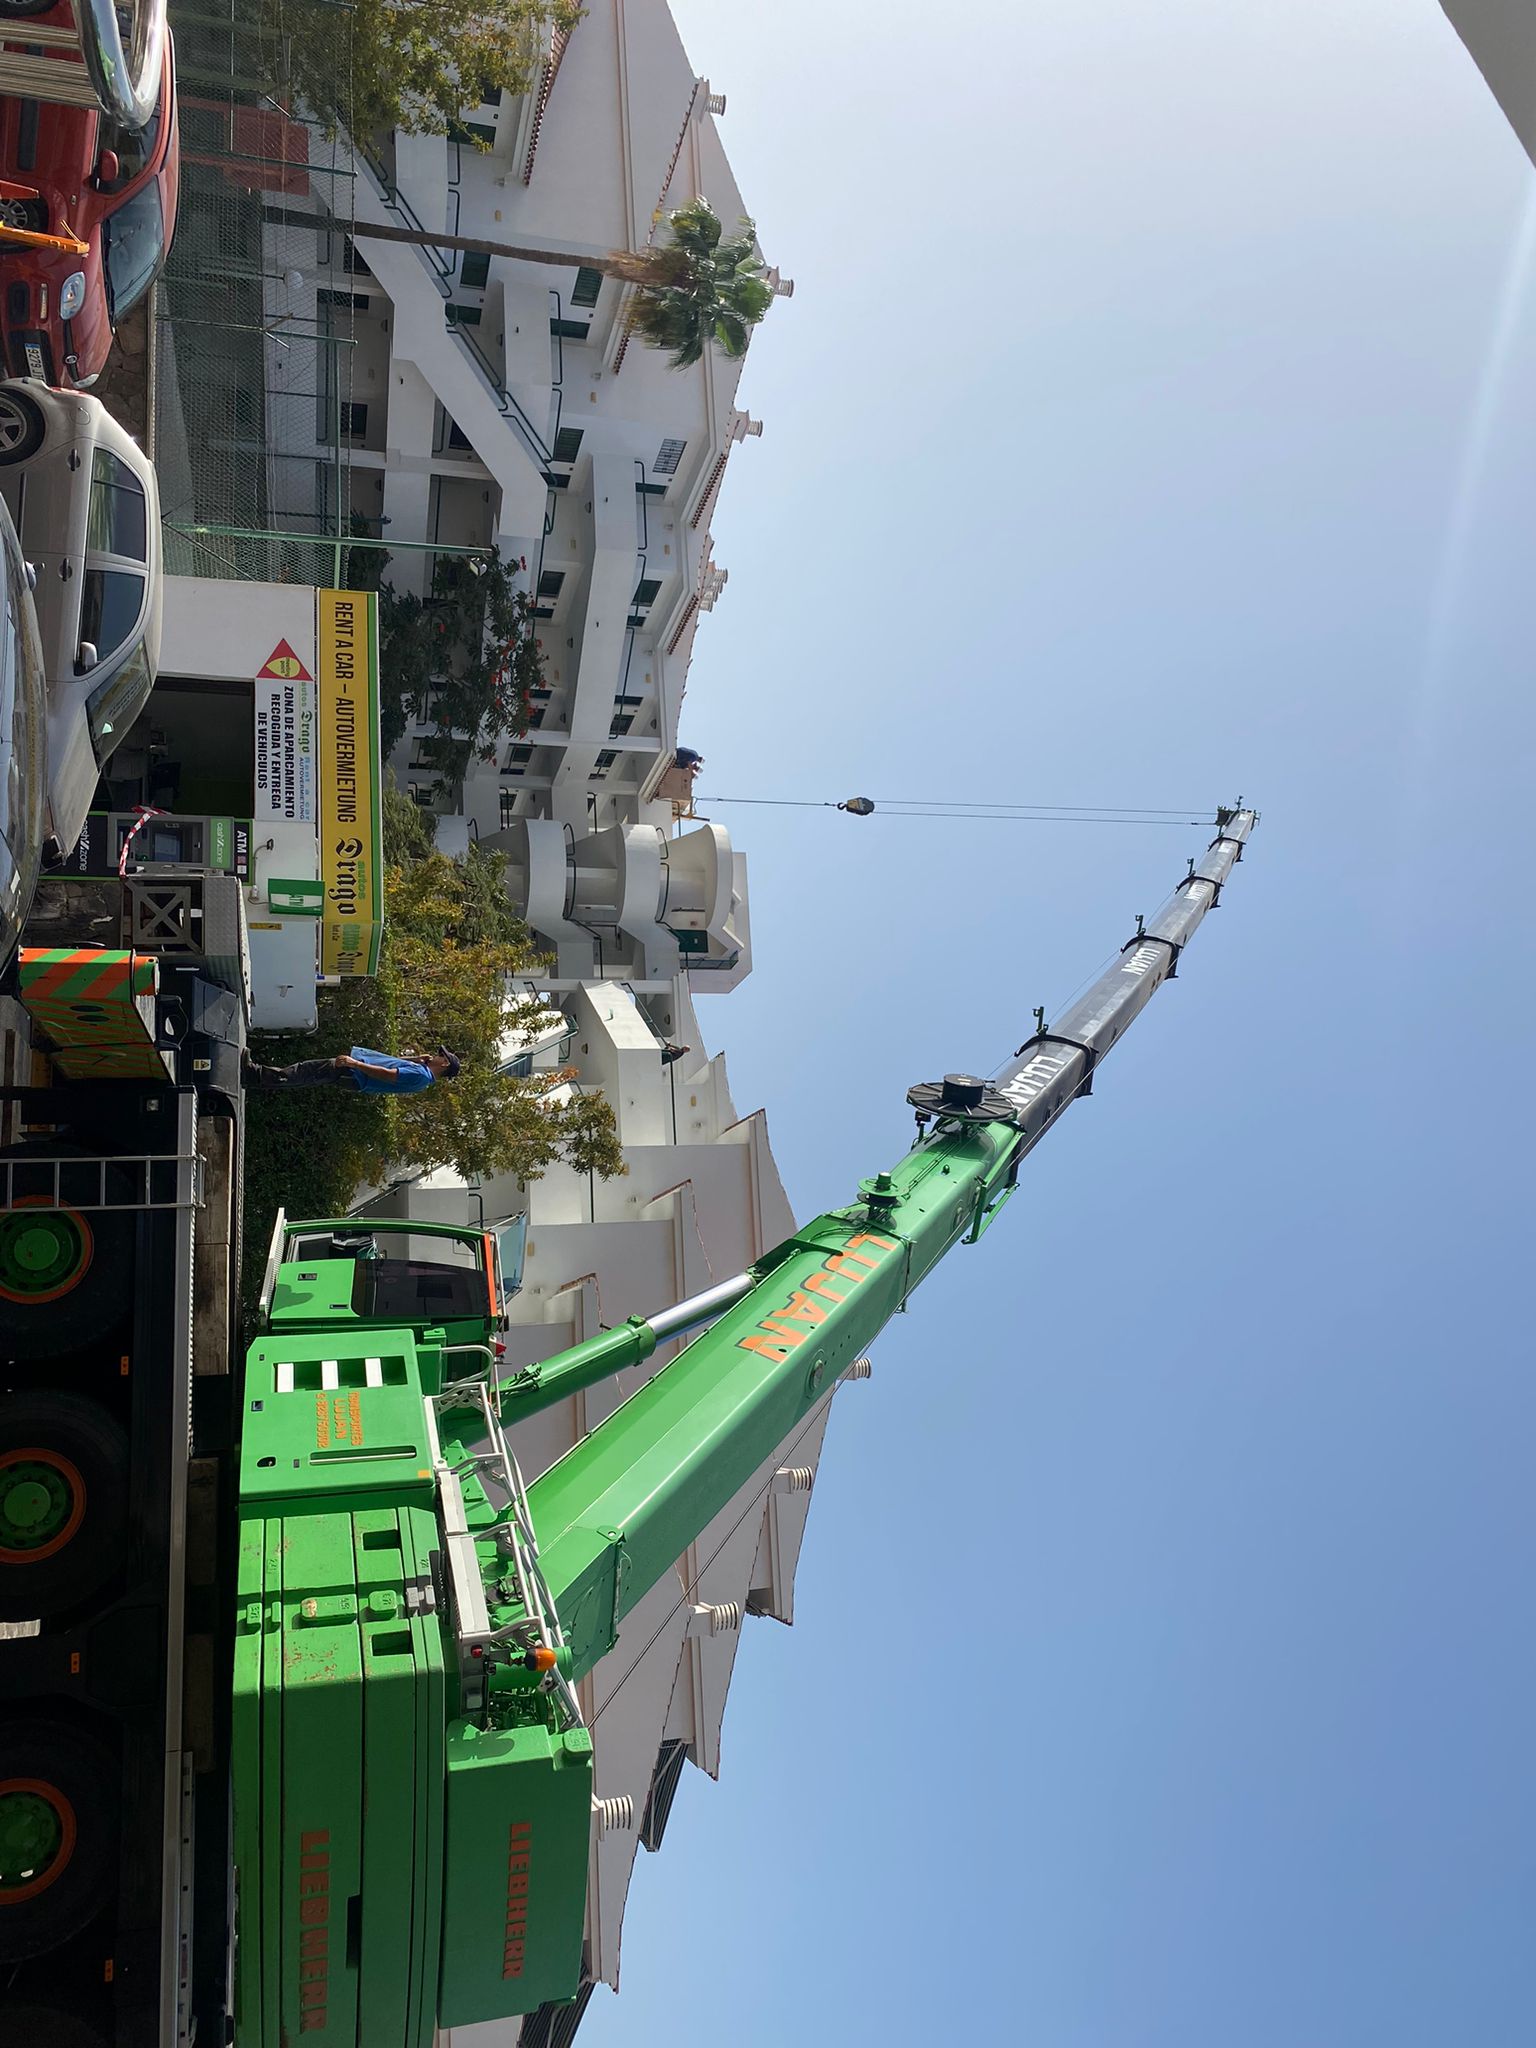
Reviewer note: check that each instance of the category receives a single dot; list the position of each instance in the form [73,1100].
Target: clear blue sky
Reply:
[1155,419]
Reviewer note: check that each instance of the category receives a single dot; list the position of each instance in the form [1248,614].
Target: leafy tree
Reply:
[412,64]
[453,951]
[701,287]
[469,650]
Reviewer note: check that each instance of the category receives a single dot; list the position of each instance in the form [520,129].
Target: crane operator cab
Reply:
[383,1272]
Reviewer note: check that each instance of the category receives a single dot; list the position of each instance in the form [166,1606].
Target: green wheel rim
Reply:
[32,1839]
[43,1252]
[37,1504]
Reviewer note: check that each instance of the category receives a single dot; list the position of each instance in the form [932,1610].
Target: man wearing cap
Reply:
[368,1072]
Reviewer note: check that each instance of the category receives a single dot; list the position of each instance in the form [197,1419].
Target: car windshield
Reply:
[114,704]
[116,519]
[134,241]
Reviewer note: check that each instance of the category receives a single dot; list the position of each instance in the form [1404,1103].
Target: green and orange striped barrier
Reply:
[96,1009]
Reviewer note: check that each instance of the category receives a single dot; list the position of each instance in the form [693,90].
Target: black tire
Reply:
[66,1313]
[36,2026]
[22,425]
[74,1774]
[64,1508]
[25,212]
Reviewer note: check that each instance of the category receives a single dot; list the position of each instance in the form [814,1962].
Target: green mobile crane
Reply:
[412,1778]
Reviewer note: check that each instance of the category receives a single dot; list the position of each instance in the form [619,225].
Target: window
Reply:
[462,316]
[354,420]
[477,131]
[351,262]
[507,807]
[458,440]
[647,590]
[536,718]
[133,148]
[110,603]
[133,243]
[115,518]
[571,330]
[550,583]
[490,95]
[474,270]
[587,286]
[668,456]
[622,723]
[568,444]
[665,1779]
[113,706]
[517,760]
[603,763]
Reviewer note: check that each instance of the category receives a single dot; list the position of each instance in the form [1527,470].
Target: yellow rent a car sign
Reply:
[347,780]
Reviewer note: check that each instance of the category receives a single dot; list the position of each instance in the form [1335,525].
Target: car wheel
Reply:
[63,1503]
[22,425]
[56,1835]
[19,212]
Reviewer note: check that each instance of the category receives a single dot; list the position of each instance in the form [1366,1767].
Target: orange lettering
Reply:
[802,1309]
[771,1342]
[821,1283]
[867,1237]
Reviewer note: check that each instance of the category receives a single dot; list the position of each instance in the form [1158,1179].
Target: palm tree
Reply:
[701,287]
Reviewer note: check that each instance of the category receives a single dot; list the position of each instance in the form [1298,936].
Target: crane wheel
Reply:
[63,1503]
[56,1846]
[36,2026]
[48,1251]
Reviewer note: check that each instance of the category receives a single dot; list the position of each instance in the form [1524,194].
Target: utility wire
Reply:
[997,813]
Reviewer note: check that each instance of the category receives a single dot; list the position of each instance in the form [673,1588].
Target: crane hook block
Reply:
[858,806]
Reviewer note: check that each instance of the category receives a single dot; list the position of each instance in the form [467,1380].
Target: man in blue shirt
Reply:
[368,1072]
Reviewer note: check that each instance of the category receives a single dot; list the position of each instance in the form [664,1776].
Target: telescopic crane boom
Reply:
[413,1619]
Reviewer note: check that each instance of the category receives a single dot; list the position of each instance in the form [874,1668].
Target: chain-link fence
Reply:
[261,313]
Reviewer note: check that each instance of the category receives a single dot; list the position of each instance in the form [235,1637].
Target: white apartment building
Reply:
[493,402]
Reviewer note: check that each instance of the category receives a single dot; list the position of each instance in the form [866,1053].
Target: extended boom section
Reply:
[616,1512]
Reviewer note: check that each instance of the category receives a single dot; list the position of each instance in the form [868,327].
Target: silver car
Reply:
[23,724]
[82,494]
